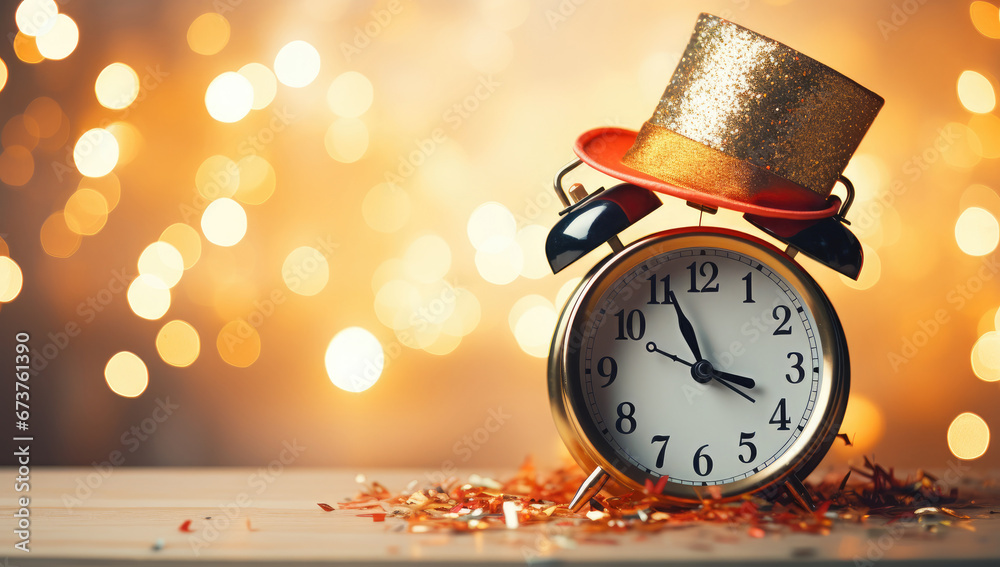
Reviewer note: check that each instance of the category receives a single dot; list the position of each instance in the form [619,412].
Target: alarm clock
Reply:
[704,362]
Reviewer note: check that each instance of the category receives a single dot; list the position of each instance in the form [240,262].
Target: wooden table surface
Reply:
[82,516]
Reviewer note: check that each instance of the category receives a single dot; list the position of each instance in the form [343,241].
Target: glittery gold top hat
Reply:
[746,123]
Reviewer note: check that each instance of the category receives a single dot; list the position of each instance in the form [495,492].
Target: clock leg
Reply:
[799,493]
[590,487]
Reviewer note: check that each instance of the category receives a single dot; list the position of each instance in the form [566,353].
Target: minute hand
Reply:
[686,329]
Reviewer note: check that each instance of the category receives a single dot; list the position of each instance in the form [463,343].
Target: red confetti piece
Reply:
[326,507]
[186,526]
[374,517]
[251,528]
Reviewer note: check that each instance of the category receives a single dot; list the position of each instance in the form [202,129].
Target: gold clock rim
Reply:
[815,439]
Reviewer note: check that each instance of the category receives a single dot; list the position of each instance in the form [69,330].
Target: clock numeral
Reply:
[798,366]
[666,290]
[748,278]
[712,273]
[700,457]
[745,442]
[625,412]
[634,325]
[780,417]
[609,371]
[785,317]
[663,448]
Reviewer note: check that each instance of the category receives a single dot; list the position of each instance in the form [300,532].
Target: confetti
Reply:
[186,526]
[326,507]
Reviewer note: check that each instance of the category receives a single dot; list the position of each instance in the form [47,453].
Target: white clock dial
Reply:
[701,364]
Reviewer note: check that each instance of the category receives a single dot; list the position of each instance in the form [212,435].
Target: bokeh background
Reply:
[198,197]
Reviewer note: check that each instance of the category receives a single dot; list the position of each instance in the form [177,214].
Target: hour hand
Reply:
[735,379]
[687,331]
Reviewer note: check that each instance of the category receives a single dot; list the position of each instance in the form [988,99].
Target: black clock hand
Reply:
[686,329]
[702,372]
[735,379]
[733,388]
[651,347]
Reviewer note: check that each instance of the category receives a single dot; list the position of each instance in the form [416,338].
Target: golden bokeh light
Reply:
[178,343]
[350,95]
[863,423]
[129,140]
[444,344]
[96,153]
[986,18]
[20,130]
[229,97]
[297,64]
[256,180]
[354,359]
[965,151]
[968,436]
[501,267]
[466,315]
[162,261]
[976,92]
[395,301]
[487,50]
[567,289]
[871,270]
[185,240]
[11,279]
[386,207]
[224,222]
[492,228]
[987,129]
[17,166]
[531,240]
[346,140]
[305,271]
[986,356]
[47,115]
[116,86]
[57,239]
[505,15]
[217,176]
[238,343]
[532,320]
[977,232]
[208,33]
[978,195]
[108,186]
[3,74]
[126,374]
[4,249]
[427,259]
[86,212]
[26,49]
[60,40]
[148,297]
[36,17]
[263,81]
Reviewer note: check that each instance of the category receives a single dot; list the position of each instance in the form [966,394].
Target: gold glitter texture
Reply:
[757,109]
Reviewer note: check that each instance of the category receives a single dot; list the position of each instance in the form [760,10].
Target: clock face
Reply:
[701,360]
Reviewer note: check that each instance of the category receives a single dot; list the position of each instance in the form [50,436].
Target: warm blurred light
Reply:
[129,139]
[492,228]
[987,129]
[444,344]
[987,323]
[965,150]
[487,50]
[354,360]
[505,15]
[126,374]
[96,152]
[263,81]
[217,176]
[305,271]
[968,436]
[20,130]
[986,18]
[3,74]
[395,301]
[11,279]
[117,86]
[501,267]
[986,356]
[386,207]
[16,166]
[108,186]
[60,40]
[387,271]
[86,212]
[4,249]
[224,222]
[238,343]
[26,49]
[229,97]
[466,315]
[977,232]
[47,115]
[162,261]
[976,92]
[346,140]
[427,259]
[978,195]
[532,320]
[562,296]
[531,240]
[148,297]
[870,273]
[208,33]
[654,69]
[350,95]
[863,423]
[297,64]
[185,240]
[868,173]
[256,180]
[57,239]
[178,343]
[36,17]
